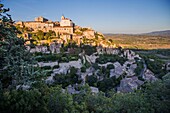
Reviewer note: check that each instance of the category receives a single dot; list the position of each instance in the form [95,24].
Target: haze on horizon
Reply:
[106,16]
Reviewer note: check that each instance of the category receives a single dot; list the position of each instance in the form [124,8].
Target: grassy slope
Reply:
[140,41]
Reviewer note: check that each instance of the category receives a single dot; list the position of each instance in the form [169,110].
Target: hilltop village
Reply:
[64,31]
[73,56]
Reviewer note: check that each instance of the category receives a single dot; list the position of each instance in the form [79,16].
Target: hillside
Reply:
[159,33]
[144,41]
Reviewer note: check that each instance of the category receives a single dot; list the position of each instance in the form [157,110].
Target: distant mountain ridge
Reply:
[158,33]
[154,33]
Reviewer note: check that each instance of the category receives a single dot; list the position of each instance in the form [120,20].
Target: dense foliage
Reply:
[110,58]
[16,68]
[15,61]
[56,57]
[42,98]
[89,50]
[155,65]
[67,79]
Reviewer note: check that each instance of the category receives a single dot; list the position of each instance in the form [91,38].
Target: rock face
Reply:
[94,89]
[53,48]
[23,87]
[76,64]
[50,79]
[168,66]
[42,49]
[102,50]
[131,55]
[91,58]
[42,64]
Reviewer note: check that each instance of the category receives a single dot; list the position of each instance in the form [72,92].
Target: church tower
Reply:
[62,17]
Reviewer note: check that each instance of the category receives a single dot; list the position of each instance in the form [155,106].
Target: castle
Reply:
[65,26]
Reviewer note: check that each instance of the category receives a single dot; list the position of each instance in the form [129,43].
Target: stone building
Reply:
[40,23]
[66,22]
[41,19]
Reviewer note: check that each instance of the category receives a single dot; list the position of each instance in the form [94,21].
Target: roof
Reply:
[67,19]
[37,22]
[63,27]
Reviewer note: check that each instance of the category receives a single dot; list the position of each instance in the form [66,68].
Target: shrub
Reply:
[38,53]
[89,50]
[110,66]
[110,58]
[64,59]
[91,80]
[49,73]
[83,69]
[51,58]
[56,66]
[95,66]
[46,67]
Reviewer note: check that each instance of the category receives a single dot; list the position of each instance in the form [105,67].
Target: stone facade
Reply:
[41,19]
[65,26]
[66,22]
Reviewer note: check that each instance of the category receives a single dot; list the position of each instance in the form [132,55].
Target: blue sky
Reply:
[106,16]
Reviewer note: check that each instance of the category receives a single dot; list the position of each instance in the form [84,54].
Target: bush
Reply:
[56,66]
[46,57]
[64,59]
[155,66]
[19,101]
[106,84]
[49,73]
[110,66]
[110,58]
[139,68]
[83,69]
[51,58]
[46,67]
[38,53]
[39,58]
[91,80]
[95,66]
[89,50]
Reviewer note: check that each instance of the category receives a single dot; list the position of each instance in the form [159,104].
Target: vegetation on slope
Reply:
[16,68]
[140,41]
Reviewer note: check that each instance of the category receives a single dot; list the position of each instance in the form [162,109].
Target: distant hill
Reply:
[158,33]
[154,33]
[153,40]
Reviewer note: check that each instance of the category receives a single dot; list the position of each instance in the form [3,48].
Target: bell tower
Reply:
[62,17]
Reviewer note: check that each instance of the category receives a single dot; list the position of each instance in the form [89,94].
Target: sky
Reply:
[106,16]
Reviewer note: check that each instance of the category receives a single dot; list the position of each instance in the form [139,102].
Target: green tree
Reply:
[110,66]
[91,80]
[157,94]
[60,102]
[40,35]
[21,101]
[130,103]
[15,61]
[98,103]
[49,35]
